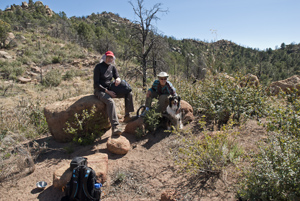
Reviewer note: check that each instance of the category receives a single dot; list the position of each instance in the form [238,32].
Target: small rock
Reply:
[119,145]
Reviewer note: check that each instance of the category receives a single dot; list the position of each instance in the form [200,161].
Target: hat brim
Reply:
[110,55]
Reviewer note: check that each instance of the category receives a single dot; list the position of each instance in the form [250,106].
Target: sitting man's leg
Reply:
[128,107]
[111,111]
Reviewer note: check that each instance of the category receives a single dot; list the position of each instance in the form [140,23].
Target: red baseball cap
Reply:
[109,53]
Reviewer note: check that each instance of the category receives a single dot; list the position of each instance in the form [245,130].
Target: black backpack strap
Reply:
[143,108]
[74,190]
[88,171]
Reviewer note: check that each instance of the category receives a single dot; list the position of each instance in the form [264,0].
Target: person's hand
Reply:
[148,94]
[111,93]
[118,81]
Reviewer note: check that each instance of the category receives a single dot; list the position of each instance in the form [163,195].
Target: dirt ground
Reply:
[142,174]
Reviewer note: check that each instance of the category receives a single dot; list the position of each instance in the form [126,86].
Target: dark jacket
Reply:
[103,74]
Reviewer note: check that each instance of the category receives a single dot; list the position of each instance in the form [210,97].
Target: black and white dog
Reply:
[174,112]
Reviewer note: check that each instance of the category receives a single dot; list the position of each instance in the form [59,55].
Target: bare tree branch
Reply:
[144,32]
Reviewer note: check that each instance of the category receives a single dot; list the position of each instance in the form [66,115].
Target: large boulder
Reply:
[188,111]
[223,76]
[48,11]
[132,126]
[24,4]
[5,55]
[58,113]
[10,37]
[285,85]
[24,80]
[249,80]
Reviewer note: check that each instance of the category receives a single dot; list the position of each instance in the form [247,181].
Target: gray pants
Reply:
[111,106]
[163,101]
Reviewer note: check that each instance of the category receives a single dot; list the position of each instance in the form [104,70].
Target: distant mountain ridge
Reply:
[99,32]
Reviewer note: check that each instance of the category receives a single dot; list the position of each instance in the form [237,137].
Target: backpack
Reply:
[83,185]
[122,89]
[78,161]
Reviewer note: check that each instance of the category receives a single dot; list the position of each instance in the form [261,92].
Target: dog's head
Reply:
[174,101]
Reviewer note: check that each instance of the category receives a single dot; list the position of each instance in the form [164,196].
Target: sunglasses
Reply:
[163,78]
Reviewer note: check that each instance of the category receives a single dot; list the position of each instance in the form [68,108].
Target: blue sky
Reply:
[251,23]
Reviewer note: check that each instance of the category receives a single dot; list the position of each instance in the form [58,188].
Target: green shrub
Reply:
[24,59]
[274,172]
[152,119]
[27,120]
[72,73]
[209,154]
[56,59]
[4,29]
[139,133]
[285,117]
[69,75]
[84,127]
[46,61]
[28,52]
[120,177]
[38,118]
[52,78]
[11,70]
[218,99]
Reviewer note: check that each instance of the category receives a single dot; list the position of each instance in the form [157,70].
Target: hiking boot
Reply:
[127,118]
[116,131]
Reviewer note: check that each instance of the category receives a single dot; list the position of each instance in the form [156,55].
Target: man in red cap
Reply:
[103,74]
[110,54]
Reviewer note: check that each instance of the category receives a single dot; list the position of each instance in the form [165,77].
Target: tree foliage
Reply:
[4,30]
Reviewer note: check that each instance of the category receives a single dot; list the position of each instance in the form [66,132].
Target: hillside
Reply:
[100,32]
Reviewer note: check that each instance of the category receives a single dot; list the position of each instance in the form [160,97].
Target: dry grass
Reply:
[19,160]
[17,106]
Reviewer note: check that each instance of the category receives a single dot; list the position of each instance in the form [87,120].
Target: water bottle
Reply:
[98,185]
[98,190]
